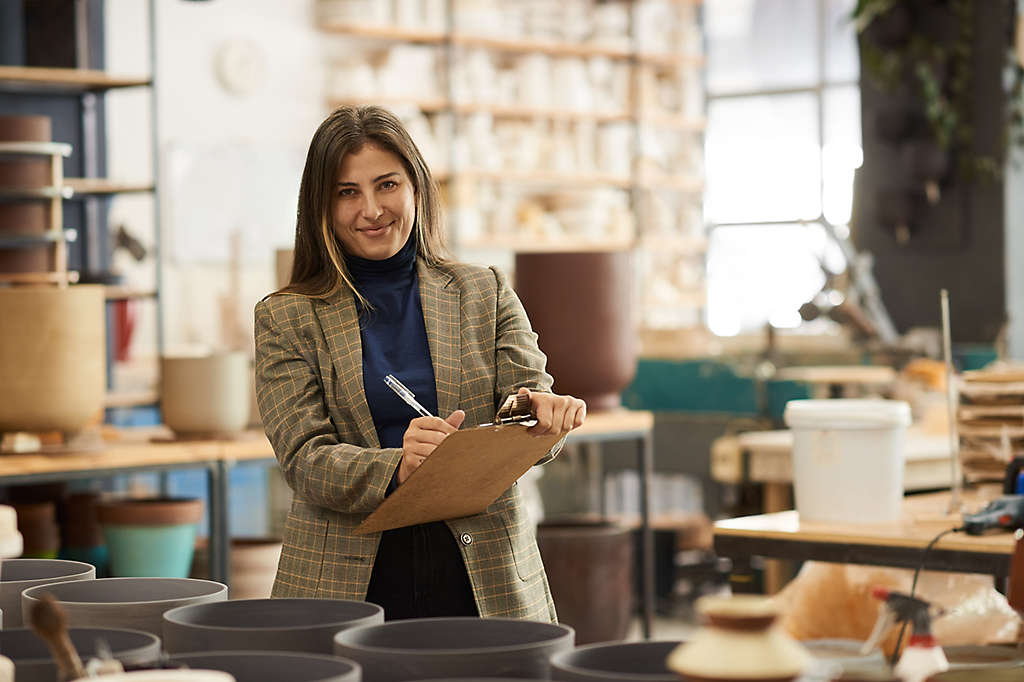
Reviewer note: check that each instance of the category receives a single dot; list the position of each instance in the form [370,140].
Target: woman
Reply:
[371,295]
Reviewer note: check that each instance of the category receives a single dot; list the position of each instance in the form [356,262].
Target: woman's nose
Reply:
[371,209]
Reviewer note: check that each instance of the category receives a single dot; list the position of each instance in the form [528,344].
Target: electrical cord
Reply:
[913,584]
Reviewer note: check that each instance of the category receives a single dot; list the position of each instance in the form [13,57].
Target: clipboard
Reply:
[463,476]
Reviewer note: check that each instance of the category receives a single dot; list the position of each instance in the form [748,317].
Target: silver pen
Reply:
[405,394]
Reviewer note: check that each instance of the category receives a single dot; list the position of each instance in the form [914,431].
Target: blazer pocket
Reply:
[522,543]
[302,556]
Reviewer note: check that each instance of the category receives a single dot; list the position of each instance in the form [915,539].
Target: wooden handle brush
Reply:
[49,622]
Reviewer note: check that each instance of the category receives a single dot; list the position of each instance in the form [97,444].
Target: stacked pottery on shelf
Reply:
[27,217]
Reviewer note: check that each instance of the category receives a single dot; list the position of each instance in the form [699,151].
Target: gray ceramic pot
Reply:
[33,663]
[427,648]
[306,625]
[17,575]
[615,662]
[134,603]
[252,666]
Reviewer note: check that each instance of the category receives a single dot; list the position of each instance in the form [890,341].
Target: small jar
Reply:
[739,640]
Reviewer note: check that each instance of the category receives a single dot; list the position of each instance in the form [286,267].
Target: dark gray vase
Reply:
[134,603]
[615,662]
[428,648]
[33,662]
[253,666]
[302,625]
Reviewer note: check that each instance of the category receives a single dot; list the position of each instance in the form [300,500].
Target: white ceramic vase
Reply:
[206,395]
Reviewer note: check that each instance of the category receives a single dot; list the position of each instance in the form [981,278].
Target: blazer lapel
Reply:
[340,324]
[441,317]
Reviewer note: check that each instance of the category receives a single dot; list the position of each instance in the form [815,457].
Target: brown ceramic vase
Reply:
[580,305]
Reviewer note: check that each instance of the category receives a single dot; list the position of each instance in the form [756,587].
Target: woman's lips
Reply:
[376,231]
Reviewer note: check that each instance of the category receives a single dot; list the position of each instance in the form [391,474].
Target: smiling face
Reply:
[374,203]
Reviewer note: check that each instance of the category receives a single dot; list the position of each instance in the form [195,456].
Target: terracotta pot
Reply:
[154,511]
[37,523]
[152,537]
[24,217]
[17,575]
[130,603]
[580,305]
[258,667]
[80,525]
[34,663]
[206,395]
[740,639]
[298,625]
[52,357]
[429,648]
[583,559]
[615,662]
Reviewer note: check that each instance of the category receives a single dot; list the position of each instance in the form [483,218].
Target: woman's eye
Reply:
[346,192]
[388,184]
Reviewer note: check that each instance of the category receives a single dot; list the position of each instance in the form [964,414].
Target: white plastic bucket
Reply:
[848,459]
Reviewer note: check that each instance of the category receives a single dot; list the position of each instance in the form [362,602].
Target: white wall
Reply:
[229,162]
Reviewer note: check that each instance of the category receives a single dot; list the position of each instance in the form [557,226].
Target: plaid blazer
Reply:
[309,385]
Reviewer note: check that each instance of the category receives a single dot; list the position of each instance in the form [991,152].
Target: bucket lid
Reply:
[845,413]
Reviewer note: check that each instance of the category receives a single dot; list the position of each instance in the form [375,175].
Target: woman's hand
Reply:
[556,414]
[422,438]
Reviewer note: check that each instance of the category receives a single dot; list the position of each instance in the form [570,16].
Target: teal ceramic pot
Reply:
[151,538]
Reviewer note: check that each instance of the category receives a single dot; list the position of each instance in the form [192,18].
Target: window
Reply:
[783,141]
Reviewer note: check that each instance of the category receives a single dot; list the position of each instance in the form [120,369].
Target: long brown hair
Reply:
[319,269]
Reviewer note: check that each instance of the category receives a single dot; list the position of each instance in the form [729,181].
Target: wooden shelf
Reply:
[540,177]
[555,49]
[671,60]
[69,277]
[513,111]
[35,148]
[16,241]
[131,398]
[393,33]
[104,186]
[427,105]
[522,244]
[120,293]
[44,78]
[36,193]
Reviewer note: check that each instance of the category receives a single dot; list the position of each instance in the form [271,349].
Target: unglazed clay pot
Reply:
[132,603]
[150,537]
[251,666]
[427,648]
[34,663]
[615,662]
[24,217]
[580,305]
[299,625]
[206,395]
[17,575]
[52,357]
[739,640]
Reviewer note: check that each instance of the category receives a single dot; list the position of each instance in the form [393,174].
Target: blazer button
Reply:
[467,539]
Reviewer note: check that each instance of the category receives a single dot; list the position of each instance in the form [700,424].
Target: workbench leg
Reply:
[646,455]
[220,540]
[777,497]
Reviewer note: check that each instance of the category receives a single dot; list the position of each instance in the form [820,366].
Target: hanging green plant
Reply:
[941,74]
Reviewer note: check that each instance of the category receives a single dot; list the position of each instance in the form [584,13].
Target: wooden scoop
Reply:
[49,622]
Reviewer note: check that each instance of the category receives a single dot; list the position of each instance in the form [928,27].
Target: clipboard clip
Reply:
[515,410]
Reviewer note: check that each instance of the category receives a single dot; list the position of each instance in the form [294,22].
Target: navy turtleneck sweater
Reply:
[419,571]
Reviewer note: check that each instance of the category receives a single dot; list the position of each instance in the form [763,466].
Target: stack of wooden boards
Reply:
[991,421]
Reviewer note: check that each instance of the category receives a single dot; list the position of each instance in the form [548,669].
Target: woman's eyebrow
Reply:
[376,179]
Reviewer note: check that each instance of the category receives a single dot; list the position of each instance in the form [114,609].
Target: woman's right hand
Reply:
[422,438]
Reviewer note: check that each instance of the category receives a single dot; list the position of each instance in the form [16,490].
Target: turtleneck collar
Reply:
[402,263]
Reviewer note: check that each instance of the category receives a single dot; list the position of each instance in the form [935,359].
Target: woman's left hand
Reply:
[556,414]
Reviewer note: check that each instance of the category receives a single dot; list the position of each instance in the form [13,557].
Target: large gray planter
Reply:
[428,648]
[615,662]
[304,625]
[17,575]
[33,662]
[133,603]
[252,666]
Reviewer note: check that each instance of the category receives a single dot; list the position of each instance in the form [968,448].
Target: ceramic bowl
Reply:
[301,625]
[615,662]
[251,666]
[17,575]
[134,603]
[33,662]
[171,676]
[453,647]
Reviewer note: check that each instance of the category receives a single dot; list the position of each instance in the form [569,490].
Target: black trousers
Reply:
[419,573]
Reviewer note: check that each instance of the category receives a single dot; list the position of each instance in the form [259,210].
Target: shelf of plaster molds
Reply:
[540,177]
[523,244]
[390,33]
